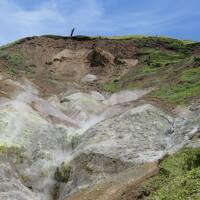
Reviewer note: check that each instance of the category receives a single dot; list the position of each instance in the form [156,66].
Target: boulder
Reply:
[138,135]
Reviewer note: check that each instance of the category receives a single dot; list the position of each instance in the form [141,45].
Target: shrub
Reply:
[157,65]
[197,59]
[62,173]
[4,54]
[12,71]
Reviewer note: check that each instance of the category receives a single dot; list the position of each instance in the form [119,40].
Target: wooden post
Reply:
[72,32]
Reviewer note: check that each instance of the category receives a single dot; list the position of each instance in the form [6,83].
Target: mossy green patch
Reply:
[55,192]
[53,81]
[156,56]
[4,54]
[14,58]
[197,59]
[14,153]
[62,173]
[179,177]
[12,71]
[117,85]
[19,159]
[15,61]
[127,37]
[185,42]
[165,42]
[149,69]
[114,86]
[9,150]
[191,75]
[25,179]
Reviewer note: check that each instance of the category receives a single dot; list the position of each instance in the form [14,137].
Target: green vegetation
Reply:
[185,42]
[153,42]
[149,69]
[25,179]
[175,86]
[157,56]
[55,192]
[15,60]
[143,41]
[9,150]
[18,158]
[53,81]
[191,75]
[188,86]
[152,61]
[11,44]
[14,153]
[164,63]
[197,59]
[178,178]
[114,86]
[12,71]
[4,54]
[75,139]
[174,73]
[56,37]
[30,70]
[145,36]
[62,173]
[127,37]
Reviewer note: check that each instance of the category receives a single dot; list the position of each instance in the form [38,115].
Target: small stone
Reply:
[89,78]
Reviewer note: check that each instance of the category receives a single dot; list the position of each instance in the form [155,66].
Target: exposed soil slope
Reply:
[54,62]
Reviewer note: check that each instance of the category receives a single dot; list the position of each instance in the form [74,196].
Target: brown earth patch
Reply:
[125,186]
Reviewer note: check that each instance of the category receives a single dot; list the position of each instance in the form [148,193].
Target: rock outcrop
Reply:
[100,58]
[54,148]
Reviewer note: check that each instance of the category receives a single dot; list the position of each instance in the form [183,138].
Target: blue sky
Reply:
[175,18]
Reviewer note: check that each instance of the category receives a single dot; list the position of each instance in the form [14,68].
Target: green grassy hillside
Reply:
[170,66]
[179,178]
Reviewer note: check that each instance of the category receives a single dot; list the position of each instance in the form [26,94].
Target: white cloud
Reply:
[47,18]
[18,22]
